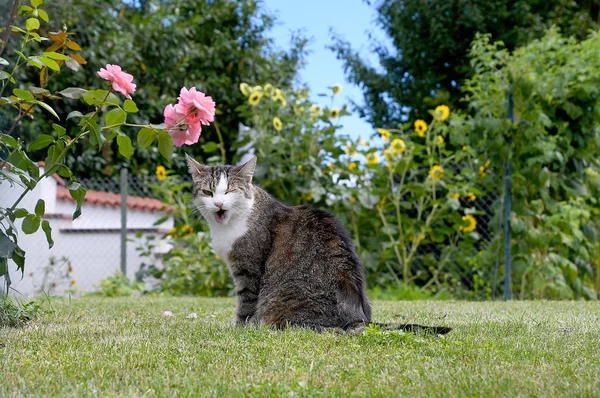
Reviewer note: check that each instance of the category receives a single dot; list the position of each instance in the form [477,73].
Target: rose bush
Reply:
[105,122]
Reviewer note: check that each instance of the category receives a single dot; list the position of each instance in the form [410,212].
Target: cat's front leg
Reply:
[247,284]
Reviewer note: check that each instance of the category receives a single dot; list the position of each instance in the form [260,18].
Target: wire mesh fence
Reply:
[91,248]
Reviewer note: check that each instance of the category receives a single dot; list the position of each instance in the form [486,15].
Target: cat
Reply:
[292,266]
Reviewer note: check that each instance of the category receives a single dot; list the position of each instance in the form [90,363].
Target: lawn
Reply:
[125,347]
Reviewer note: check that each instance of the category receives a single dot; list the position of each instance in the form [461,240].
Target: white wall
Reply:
[91,243]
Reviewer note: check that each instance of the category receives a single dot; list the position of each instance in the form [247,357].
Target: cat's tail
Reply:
[411,327]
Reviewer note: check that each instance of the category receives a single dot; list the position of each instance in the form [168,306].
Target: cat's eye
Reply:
[229,191]
[206,192]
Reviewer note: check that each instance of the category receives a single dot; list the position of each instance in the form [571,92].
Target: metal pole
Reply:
[124,220]
[508,203]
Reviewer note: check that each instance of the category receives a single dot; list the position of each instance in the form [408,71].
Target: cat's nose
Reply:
[219,204]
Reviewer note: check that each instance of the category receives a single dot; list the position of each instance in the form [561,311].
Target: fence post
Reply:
[508,201]
[123,189]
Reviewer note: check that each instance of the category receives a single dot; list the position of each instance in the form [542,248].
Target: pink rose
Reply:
[121,81]
[180,130]
[185,119]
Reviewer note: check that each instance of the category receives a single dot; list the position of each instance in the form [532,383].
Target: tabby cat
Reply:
[292,266]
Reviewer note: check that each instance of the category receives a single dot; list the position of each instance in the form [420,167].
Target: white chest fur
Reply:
[224,236]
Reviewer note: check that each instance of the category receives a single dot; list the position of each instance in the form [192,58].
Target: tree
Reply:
[168,44]
[428,62]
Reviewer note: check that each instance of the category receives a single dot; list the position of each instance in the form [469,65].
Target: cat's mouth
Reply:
[220,216]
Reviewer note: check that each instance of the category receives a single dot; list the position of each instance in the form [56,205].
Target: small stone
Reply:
[193,315]
[167,313]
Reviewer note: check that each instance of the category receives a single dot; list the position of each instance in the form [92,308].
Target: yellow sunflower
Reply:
[278,96]
[268,90]
[307,196]
[483,169]
[440,140]
[303,93]
[245,89]
[442,112]
[372,159]
[350,150]
[277,123]
[398,145]
[420,127]
[471,197]
[385,134]
[454,195]
[334,113]
[254,98]
[472,223]
[436,173]
[161,173]
[388,155]
[336,89]
[416,238]
[352,166]
[315,110]
[186,230]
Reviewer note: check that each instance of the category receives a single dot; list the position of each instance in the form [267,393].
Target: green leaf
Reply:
[3,62]
[165,145]
[96,97]
[79,196]
[73,92]
[130,106]
[60,130]
[115,118]
[125,147]
[74,114]
[50,63]
[7,247]
[145,137]
[38,90]
[64,171]
[52,157]
[20,213]
[48,231]
[55,55]
[8,140]
[46,107]
[17,29]
[22,94]
[18,257]
[31,224]
[44,15]
[5,75]
[210,147]
[41,142]
[40,208]
[37,3]
[32,24]
[72,64]
[25,10]
[96,137]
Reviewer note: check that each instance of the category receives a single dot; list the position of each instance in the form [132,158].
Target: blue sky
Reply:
[351,19]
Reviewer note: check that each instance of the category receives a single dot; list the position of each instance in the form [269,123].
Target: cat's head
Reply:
[222,193]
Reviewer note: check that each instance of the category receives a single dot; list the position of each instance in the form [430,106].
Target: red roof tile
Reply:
[114,200]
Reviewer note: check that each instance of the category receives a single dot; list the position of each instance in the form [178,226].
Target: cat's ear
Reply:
[247,169]
[194,166]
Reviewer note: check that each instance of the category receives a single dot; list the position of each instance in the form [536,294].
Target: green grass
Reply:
[125,347]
